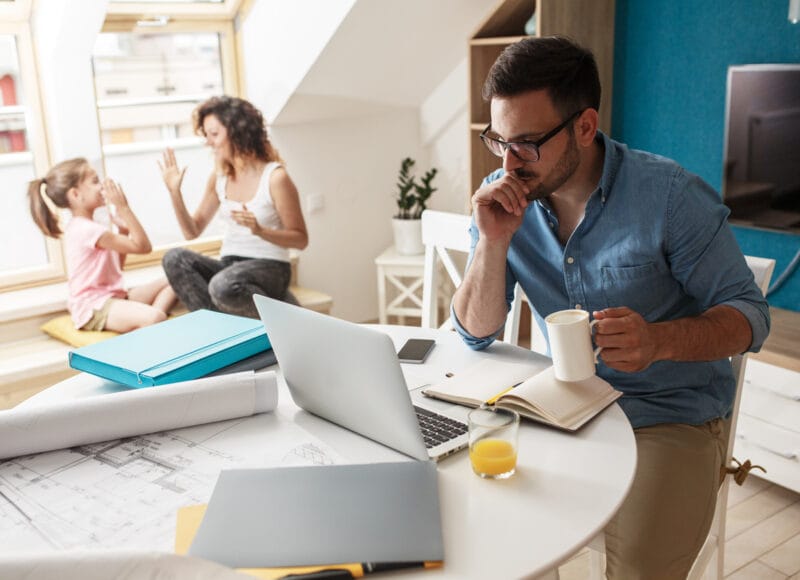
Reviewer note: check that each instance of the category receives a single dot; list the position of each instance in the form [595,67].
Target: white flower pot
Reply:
[408,236]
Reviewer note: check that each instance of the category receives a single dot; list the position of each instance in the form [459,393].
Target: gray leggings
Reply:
[227,284]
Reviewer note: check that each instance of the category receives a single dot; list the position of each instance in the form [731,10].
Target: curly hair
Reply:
[244,123]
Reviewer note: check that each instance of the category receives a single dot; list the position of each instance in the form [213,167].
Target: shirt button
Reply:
[578,307]
[603,199]
[570,260]
[552,225]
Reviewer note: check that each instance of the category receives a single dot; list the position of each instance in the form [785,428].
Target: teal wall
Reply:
[670,70]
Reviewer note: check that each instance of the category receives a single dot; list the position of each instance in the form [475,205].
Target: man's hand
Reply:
[499,207]
[628,341]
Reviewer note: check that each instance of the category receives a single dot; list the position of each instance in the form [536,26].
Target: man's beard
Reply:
[563,170]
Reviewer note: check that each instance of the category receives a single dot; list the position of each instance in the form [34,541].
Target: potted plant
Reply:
[412,197]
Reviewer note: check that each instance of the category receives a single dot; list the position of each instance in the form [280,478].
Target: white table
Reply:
[566,489]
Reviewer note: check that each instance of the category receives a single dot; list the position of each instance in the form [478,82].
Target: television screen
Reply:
[761,179]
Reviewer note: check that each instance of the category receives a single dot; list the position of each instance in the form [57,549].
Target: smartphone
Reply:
[415,350]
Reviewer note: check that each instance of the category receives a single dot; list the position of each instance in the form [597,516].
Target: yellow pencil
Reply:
[493,400]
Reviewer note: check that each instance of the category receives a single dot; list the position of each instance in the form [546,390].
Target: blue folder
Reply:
[178,349]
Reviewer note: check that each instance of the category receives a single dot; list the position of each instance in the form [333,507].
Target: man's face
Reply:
[527,117]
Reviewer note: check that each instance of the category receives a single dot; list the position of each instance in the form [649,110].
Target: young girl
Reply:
[95,255]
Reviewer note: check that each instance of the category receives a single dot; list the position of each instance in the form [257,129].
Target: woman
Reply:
[259,205]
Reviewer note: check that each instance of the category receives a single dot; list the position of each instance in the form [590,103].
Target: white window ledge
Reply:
[52,298]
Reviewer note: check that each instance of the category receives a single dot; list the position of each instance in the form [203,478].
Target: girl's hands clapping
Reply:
[116,202]
[113,194]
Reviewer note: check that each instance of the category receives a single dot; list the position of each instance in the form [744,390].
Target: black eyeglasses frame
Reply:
[528,145]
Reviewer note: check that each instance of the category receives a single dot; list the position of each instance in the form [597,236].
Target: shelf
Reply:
[507,19]
[497,40]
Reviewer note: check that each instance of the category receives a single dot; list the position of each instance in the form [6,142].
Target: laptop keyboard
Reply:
[437,429]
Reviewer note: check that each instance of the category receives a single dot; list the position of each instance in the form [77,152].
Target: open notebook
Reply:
[541,397]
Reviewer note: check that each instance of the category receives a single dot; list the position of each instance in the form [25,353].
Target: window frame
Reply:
[18,10]
[227,9]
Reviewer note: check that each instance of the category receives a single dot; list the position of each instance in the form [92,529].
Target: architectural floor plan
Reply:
[126,493]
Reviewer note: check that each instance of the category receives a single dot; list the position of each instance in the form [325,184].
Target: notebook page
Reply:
[483,380]
[560,399]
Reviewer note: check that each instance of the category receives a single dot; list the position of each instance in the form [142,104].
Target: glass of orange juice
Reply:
[493,441]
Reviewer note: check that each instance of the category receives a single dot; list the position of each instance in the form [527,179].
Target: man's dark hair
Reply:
[555,63]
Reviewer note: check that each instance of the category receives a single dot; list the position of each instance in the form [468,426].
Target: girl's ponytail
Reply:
[49,193]
[42,214]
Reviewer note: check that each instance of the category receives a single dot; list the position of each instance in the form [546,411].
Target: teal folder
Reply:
[178,349]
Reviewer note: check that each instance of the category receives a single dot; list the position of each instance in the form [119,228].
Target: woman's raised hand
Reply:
[170,172]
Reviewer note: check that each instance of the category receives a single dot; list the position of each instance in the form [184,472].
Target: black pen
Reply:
[366,568]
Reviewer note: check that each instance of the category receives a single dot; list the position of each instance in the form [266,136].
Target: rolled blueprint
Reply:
[58,425]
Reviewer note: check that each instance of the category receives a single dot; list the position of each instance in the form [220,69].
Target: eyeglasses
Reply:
[522,150]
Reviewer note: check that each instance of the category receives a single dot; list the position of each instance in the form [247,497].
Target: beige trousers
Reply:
[665,519]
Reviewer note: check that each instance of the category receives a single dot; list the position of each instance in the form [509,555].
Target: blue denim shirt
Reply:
[654,238]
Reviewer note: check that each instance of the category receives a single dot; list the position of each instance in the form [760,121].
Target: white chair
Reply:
[443,233]
[715,542]
[538,342]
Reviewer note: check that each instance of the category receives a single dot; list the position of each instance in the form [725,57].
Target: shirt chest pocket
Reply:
[644,289]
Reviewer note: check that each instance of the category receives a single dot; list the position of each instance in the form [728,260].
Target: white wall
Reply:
[352,163]
[444,128]
[64,38]
[281,40]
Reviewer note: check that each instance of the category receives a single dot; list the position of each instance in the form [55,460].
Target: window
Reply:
[28,256]
[150,71]
[149,75]
[148,84]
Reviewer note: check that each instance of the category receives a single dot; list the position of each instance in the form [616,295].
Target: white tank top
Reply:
[239,240]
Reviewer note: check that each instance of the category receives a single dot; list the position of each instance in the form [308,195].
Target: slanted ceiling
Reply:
[385,54]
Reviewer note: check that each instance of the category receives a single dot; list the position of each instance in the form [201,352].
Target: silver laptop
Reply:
[350,375]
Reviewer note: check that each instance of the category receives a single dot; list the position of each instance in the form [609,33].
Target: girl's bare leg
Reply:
[127,315]
[157,293]
[165,299]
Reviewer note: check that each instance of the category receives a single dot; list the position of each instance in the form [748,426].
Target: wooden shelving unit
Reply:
[590,22]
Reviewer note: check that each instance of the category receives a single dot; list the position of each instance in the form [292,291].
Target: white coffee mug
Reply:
[570,334]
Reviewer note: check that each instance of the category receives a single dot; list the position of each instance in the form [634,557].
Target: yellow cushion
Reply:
[62,328]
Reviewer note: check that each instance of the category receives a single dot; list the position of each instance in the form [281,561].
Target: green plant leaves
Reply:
[412,196]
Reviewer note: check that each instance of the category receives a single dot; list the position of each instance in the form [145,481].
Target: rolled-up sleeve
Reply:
[706,258]
[474,342]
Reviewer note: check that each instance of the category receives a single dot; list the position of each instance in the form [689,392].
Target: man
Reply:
[581,221]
